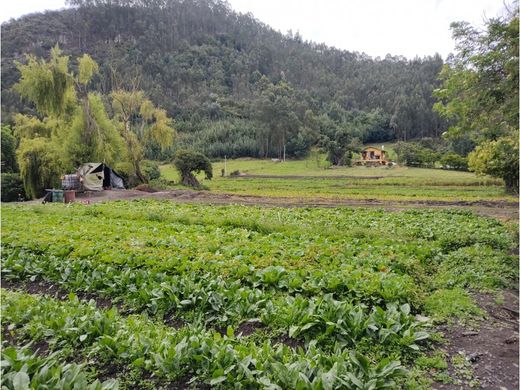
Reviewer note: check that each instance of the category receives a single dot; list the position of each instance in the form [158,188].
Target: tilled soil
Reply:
[496,209]
[490,351]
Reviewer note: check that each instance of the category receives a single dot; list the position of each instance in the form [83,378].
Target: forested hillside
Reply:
[233,85]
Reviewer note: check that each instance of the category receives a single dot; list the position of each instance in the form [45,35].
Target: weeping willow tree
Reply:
[40,165]
[140,122]
[93,136]
[74,127]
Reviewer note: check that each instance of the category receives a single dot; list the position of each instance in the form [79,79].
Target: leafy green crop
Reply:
[260,297]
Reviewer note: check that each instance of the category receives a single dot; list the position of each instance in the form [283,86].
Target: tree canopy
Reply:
[479,95]
[73,125]
[235,86]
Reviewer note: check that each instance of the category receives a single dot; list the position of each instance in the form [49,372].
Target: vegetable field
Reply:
[151,294]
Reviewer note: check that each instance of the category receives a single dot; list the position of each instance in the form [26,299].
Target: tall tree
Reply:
[140,121]
[480,94]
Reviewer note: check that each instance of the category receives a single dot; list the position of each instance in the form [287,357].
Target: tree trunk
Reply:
[512,185]
[190,180]
[139,173]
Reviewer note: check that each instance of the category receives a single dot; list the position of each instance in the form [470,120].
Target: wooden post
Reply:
[225,165]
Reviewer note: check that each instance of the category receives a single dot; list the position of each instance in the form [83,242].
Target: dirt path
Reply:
[489,355]
[500,210]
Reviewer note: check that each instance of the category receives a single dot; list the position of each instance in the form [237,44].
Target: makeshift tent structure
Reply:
[97,176]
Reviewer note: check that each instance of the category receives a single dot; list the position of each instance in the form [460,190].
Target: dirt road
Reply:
[499,209]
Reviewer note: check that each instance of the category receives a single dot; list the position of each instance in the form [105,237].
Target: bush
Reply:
[498,158]
[454,161]
[414,155]
[12,187]
[188,162]
[150,170]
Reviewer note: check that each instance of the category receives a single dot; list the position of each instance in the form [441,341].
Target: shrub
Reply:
[454,161]
[12,187]
[497,158]
[150,169]
[414,155]
[188,162]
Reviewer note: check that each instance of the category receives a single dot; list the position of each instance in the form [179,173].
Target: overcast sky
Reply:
[377,27]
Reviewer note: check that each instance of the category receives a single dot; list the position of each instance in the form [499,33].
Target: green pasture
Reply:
[313,178]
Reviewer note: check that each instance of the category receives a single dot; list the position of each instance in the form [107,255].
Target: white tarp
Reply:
[93,177]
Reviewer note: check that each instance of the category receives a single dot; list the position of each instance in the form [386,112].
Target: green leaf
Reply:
[21,381]
[421,335]
[293,330]
[217,380]
[83,337]
[307,326]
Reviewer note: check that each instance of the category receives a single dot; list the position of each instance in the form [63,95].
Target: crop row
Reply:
[226,238]
[186,240]
[191,351]
[22,369]
[214,300]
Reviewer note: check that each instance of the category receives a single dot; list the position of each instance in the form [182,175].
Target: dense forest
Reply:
[233,85]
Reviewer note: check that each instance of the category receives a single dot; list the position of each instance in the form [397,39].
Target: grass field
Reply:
[310,179]
[149,294]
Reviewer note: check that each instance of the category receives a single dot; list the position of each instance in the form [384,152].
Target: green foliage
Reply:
[8,157]
[47,84]
[339,149]
[140,123]
[151,170]
[498,158]
[102,143]
[436,361]
[87,68]
[31,127]
[350,305]
[40,165]
[188,162]
[76,127]
[414,155]
[452,160]
[22,369]
[480,95]
[453,303]
[228,69]
[12,187]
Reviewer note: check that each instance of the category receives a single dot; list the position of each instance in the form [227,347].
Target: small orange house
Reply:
[372,156]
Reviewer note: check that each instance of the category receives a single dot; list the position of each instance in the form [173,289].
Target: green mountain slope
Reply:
[233,84]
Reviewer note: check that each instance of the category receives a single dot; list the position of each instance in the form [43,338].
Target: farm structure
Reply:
[372,156]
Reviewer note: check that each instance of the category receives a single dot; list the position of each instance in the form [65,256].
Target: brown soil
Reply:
[248,328]
[289,341]
[498,209]
[10,338]
[491,351]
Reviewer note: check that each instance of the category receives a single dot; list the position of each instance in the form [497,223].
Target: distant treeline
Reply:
[233,85]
